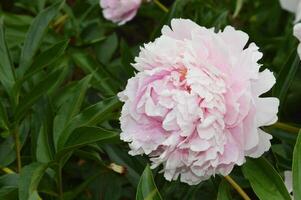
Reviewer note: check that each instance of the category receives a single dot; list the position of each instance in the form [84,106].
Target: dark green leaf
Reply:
[89,65]
[89,117]
[9,186]
[224,191]
[35,35]
[3,117]
[43,152]
[107,48]
[12,19]
[297,168]
[147,189]
[78,190]
[7,76]
[7,151]
[71,107]
[264,179]
[30,177]
[47,57]
[127,59]
[86,135]
[32,96]
[286,77]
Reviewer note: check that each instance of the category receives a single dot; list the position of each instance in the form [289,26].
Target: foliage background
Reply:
[61,66]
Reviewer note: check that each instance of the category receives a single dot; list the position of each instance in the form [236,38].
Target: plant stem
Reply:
[237,188]
[160,5]
[18,149]
[286,127]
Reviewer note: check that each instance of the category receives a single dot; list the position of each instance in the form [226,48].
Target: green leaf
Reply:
[91,116]
[107,48]
[9,186]
[89,65]
[43,152]
[285,78]
[224,191]
[297,168]
[3,117]
[7,151]
[34,196]
[78,190]
[35,35]
[12,19]
[71,107]
[47,57]
[147,189]
[7,76]
[264,179]
[30,177]
[239,4]
[126,59]
[84,136]
[32,96]
[7,147]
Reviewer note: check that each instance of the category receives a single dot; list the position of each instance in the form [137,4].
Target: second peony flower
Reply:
[120,11]
[194,106]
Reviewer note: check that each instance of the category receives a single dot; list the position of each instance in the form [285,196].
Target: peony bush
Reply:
[150,99]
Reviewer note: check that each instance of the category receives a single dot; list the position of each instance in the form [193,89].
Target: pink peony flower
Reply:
[120,11]
[194,104]
[297,34]
[293,6]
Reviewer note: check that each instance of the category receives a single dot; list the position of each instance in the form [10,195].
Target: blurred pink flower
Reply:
[293,6]
[194,104]
[297,34]
[288,181]
[120,11]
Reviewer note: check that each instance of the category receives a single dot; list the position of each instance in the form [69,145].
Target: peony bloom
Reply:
[293,6]
[288,181]
[194,104]
[120,11]
[297,34]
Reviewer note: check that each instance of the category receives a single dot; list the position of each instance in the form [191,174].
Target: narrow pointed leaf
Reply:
[147,189]
[86,135]
[7,76]
[297,168]
[30,177]
[89,65]
[3,117]
[224,191]
[32,96]
[286,77]
[71,107]
[89,117]
[264,179]
[35,35]
[47,57]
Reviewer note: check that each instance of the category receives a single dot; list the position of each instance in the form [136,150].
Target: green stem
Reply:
[161,6]
[17,148]
[286,127]
[242,193]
